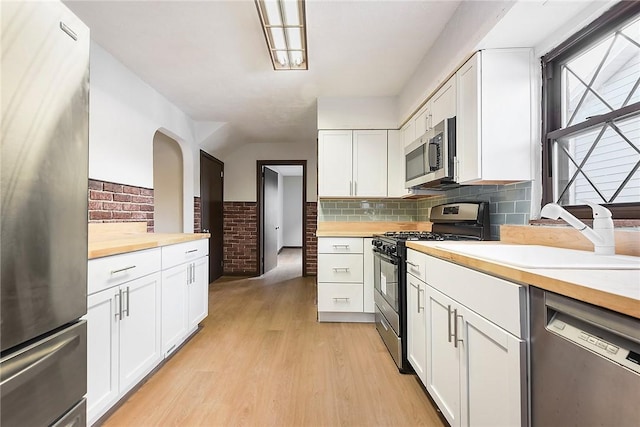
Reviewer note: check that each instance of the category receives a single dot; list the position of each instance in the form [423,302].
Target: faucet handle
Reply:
[598,211]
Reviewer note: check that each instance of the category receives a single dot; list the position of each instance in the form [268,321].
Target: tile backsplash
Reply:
[509,204]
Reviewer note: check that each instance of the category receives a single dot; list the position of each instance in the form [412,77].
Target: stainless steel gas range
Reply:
[453,221]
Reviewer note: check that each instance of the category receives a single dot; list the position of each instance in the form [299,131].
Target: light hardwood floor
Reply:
[262,359]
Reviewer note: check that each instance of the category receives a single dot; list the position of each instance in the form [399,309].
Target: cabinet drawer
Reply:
[417,264]
[180,253]
[340,268]
[339,245]
[104,273]
[500,301]
[340,297]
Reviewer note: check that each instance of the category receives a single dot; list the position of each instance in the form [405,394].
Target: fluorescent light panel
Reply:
[283,23]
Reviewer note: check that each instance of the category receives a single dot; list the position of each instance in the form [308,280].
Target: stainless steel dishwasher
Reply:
[585,364]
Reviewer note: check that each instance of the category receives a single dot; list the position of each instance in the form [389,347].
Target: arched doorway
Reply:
[168,185]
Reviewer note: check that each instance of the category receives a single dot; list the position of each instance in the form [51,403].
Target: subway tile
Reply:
[526,184]
[506,207]
[516,194]
[513,218]
[523,206]
[497,218]
[348,211]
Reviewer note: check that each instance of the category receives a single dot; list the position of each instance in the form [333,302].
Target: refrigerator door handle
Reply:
[18,372]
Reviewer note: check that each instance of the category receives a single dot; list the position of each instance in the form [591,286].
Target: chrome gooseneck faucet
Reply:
[601,235]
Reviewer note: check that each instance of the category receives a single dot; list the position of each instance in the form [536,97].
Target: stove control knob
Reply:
[393,249]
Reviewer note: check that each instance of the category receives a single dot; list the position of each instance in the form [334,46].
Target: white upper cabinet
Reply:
[408,133]
[494,108]
[422,120]
[443,102]
[335,162]
[352,163]
[396,164]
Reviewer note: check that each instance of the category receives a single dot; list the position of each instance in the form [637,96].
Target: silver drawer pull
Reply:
[341,246]
[416,266]
[123,269]
[345,299]
[191,251]
[337,269]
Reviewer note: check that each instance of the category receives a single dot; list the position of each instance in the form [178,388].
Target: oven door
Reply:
[385,278]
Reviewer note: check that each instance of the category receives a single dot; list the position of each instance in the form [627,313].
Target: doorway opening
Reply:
[281,220]
[212,210]
[168,196]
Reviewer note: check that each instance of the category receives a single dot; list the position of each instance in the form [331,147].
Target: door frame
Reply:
[221,163]
[259,165]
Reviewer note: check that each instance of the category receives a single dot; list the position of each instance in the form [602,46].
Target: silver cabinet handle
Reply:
[191,251]
[118,298]
[340,246]
[128,298]
[337,269]
[355,188]
[455,328]
[345,299]
[384,324]
[416,266]
[449,323]
[419,306]
[120,270]
[351,188]
[418,289]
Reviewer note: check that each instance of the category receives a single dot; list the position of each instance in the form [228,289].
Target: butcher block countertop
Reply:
[617,290]
[118,238]
[366,228]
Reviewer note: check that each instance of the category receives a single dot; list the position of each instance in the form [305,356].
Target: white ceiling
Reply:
[210,58]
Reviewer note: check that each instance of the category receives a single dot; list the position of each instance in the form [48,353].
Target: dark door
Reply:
[269,231]
[211,185]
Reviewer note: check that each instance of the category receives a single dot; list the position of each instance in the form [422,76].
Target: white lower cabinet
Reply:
[123,344]
[141,306]
[473,368]
[416,324]
[345,279]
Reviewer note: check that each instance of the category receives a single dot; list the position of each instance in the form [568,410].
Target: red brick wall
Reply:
[311,239]
[240,238]
[197,215]
[111,202]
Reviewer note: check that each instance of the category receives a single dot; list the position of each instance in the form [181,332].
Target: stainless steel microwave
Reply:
[430,159]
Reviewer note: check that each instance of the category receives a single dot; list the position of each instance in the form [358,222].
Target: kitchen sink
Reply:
[532,256]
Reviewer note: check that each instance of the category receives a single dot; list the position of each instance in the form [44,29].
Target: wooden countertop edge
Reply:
[119,244]
[346,233]
[618,303]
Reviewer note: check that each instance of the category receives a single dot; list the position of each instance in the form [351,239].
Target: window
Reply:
[591,117]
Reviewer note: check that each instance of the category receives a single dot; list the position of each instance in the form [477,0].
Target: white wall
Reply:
[471,21]
[240,168]
[167,185]
[125,113]
[357,113]
[292,207]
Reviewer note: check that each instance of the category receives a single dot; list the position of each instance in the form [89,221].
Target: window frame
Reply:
[618,15]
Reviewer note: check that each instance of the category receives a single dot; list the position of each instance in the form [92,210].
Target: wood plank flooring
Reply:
[262,359]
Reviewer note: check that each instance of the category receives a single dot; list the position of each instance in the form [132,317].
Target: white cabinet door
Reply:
[467,121]
[174,307]
[408,133]
[102,352]
[422,120]
[396,165]
[416,327]
[199,292]
[367,289]
[140,340]
[443,102]
[493,374]
[443,358]
[335,163]
[369,163]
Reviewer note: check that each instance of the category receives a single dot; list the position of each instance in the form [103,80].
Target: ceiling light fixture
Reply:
[284,26]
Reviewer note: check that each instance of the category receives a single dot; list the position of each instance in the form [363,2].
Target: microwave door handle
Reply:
[434,154]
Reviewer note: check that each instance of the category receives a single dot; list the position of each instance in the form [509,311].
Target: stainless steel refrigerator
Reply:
[43,222]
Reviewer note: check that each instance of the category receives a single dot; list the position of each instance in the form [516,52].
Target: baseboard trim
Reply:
[326,316]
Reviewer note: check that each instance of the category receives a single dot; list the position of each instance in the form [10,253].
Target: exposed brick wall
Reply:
[197,215]
[311,239]
[240,238]
[112,202]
